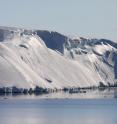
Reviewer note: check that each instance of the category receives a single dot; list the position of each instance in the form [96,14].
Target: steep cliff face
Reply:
[53,40]
[30,58]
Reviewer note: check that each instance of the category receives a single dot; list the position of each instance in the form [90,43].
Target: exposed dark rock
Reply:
[1,34]
[105,41]
[30,91]
[65,89]
[25,91]
[50,81]
[40,90]
[17,90]
[101,84]
[24,46]
[53,40]
[2,90]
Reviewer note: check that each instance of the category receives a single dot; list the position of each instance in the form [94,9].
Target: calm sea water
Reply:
[53,109]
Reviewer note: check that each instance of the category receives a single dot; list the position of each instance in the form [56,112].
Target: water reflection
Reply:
[58,111]
[115,93]
[97,93]
[36,110]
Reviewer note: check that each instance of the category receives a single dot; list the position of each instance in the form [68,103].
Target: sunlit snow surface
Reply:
[26,61]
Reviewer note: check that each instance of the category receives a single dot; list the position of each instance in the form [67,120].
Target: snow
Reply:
[92,57]
[26,62]
[101,49]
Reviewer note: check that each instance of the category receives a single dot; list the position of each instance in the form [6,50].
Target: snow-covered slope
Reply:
[52,60]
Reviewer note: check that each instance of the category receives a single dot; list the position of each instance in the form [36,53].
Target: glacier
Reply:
[30,58]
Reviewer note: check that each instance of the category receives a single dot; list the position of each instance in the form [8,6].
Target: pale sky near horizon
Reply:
[88,18]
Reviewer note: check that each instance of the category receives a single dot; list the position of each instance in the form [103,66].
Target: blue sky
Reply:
[89,18]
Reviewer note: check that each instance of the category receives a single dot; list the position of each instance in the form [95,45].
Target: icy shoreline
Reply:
[40,91]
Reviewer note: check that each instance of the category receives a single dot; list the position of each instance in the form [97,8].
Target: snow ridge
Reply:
[29,59]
